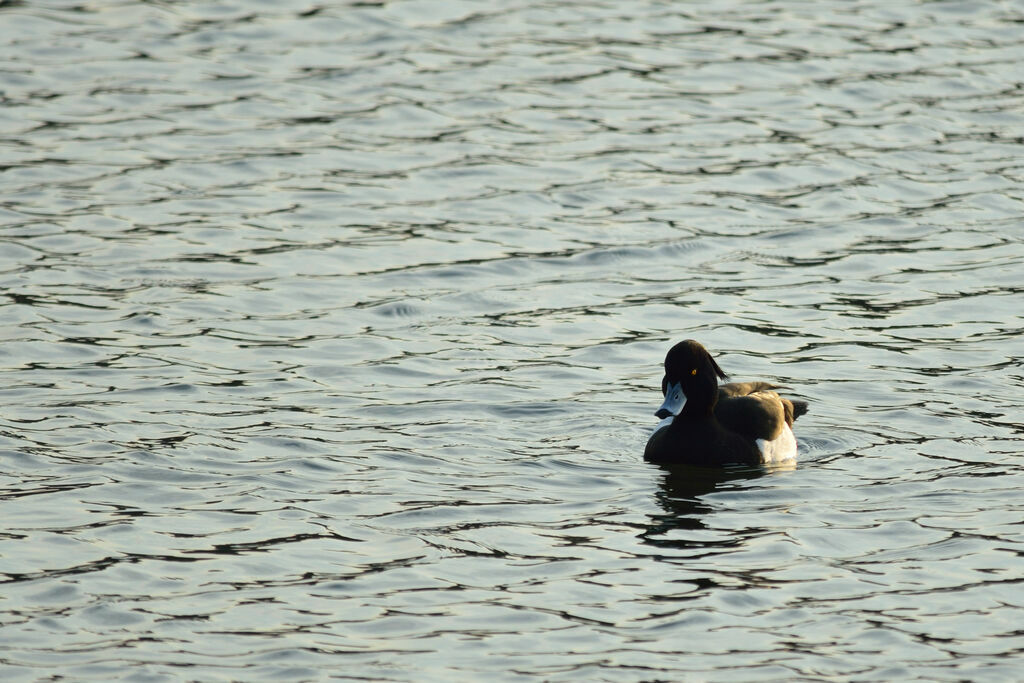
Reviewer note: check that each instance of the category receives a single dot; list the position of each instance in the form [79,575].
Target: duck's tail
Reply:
[794,409]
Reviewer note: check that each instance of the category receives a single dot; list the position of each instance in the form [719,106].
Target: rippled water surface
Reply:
[332,335]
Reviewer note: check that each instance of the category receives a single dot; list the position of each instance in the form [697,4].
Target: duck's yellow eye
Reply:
[693,372]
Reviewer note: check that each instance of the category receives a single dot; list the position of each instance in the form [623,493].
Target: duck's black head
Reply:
[690,383]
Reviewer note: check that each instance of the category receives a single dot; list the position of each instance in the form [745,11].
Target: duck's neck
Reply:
[701,398]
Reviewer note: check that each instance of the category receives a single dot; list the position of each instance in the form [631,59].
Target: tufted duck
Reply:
[705,424]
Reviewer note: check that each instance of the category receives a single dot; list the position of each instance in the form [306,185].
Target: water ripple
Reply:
[333,338]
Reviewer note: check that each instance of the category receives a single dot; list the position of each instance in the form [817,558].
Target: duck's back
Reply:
[756,410]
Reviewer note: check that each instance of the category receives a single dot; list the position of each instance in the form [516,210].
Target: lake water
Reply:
[332,336]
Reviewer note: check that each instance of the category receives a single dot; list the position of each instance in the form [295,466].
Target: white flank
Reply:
[782,449]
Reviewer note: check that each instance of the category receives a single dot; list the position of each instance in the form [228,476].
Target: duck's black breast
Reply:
[702,442]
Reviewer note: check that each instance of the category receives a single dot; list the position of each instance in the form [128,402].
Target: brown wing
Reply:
[754,409]
[758,415]
[737,389]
